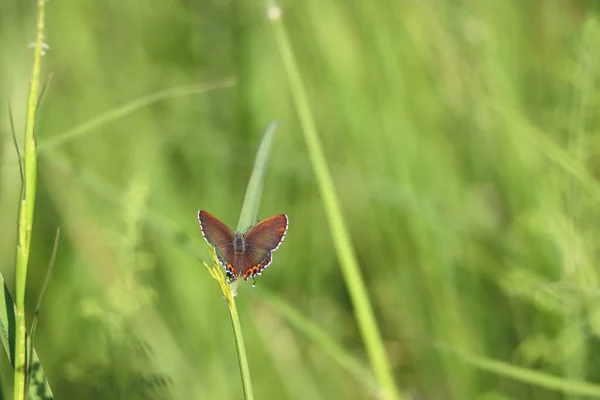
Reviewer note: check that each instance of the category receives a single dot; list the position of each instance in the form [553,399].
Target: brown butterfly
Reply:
[244,254]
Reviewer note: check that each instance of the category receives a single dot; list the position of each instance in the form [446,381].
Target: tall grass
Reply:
[461,140]
[248,216]
[345,252]
[26,209]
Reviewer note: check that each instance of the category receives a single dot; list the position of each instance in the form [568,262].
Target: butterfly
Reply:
[244,254]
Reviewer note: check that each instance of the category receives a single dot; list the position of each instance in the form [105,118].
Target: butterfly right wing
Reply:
[261,241]
[217,234]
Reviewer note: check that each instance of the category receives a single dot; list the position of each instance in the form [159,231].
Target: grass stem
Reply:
[27,208]
[350,269]
[216,271]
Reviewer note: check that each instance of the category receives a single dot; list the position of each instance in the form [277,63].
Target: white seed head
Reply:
[274,13]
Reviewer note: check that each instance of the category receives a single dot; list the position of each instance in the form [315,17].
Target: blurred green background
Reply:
[463,138]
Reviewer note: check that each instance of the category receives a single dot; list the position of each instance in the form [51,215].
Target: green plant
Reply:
[26,209]
[341,238]
[247,218]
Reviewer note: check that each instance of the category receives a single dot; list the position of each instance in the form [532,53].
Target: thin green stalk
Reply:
[247,218]
[128,108]
[216,271]
[350,269]
[26,210]
[241,350]
[121,111]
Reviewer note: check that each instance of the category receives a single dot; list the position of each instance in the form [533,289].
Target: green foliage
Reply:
[461,138]
[38,385]
[25,210]
[339,231]
[254,190]
[247,218]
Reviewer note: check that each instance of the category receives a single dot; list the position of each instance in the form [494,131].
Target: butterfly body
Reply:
[244,254]
[239,243]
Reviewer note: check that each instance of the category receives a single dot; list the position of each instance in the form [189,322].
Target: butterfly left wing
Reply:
[217,234]
[260,241]
[214,231]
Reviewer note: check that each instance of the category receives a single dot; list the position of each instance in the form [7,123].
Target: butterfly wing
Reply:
[260,241]
[217,234]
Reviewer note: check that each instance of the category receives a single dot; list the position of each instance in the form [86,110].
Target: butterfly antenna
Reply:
[253,281]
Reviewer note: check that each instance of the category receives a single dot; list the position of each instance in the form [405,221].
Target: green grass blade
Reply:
[247,218]
[527,375]
[528,131]
[216,271]
[30,358]
[323,340]
[348,362]
[255,184]
[27,207]
[121,111]
[350,269]
[39,387]
[16,144]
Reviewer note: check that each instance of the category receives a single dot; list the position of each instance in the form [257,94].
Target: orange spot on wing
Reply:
[252,271]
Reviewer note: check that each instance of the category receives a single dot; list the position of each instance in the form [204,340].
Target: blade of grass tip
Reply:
[318,336]
[255,184]
[345,252]
[37,311]
[27,208]
[128,108]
